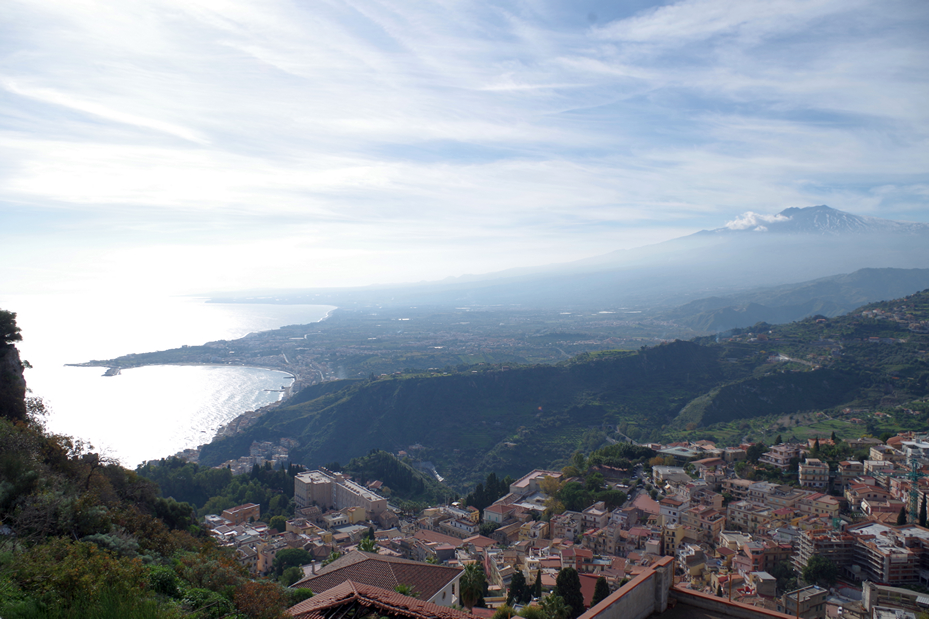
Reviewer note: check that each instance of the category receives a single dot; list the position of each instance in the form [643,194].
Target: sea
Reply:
[149,412]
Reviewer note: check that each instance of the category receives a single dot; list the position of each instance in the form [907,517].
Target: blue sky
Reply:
[195,145]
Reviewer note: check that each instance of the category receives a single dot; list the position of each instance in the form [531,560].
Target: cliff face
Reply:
[12,384]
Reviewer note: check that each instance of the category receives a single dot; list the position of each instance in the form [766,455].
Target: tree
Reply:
[820,570]
[574,496]
[407,590]
[537,585]
[594,482]
[755,451]
[335,554]
[504,612]
[901,517]
[471,585]
[778,440]
[579,462]
[601,591]
[568,587]
[834,439]
[532,612]
[554,607]
[9,332]
[291,575]
[279,523]
[367,544]
[816,446]
[290,557]
[922,513]
[519,590]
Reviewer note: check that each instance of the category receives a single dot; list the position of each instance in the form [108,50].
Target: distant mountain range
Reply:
[827,296]
[797,244]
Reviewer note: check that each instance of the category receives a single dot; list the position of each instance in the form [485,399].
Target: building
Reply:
[812,601]
[780,455]
[334,491]
[354,599]
[529,483]
[242,514]
[847,471]
[703,523]
[671,510]
[814,474]
[871,551]
[436,584]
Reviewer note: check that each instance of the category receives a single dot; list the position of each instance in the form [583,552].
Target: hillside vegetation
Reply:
[83,538]
[492,418]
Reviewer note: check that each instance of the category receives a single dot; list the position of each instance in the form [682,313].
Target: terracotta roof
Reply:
[384,602]
[479,541]
[646,503]
[588,584]
[385,572]
[439,538]
[497,508]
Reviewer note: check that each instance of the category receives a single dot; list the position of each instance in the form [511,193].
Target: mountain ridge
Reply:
[711,262]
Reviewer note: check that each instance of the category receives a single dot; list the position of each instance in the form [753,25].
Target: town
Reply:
[826,528]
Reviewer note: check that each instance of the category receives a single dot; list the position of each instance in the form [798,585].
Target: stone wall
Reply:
[644,595]
[722,606]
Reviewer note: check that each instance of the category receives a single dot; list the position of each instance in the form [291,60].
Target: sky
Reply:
[189,146]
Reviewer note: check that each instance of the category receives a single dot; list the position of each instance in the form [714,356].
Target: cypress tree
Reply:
[601,591]
[537,586]
[568,587]
[901,517]
[922,513]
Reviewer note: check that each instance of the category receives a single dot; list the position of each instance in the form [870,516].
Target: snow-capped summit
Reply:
[819,220]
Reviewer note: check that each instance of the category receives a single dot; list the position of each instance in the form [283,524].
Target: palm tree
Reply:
[471,585]
[407,590]
[367,545]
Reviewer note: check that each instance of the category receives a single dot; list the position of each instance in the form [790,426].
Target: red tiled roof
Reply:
[646,504]
[588,584]
[439,538]
[389,603]
[480,541]
[497,508]
[385,572]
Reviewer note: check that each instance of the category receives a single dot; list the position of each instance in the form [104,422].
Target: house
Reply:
[780,455]
[847,471]
[437,584]
[596,516]
[241,514]
[671,510]
[814,474]
[529,483]
[498,512]
[811,601]
[351,598]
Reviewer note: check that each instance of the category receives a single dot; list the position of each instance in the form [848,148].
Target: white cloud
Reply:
[754,220]
[367,127]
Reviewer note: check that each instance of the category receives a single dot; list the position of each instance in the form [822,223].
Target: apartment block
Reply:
[331,490]
[814,474]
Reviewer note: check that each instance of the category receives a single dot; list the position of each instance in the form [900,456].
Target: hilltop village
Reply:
[749,525]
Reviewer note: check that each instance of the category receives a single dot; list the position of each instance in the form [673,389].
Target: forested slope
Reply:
[512,419]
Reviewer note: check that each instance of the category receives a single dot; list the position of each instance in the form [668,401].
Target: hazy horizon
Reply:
[168,147]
